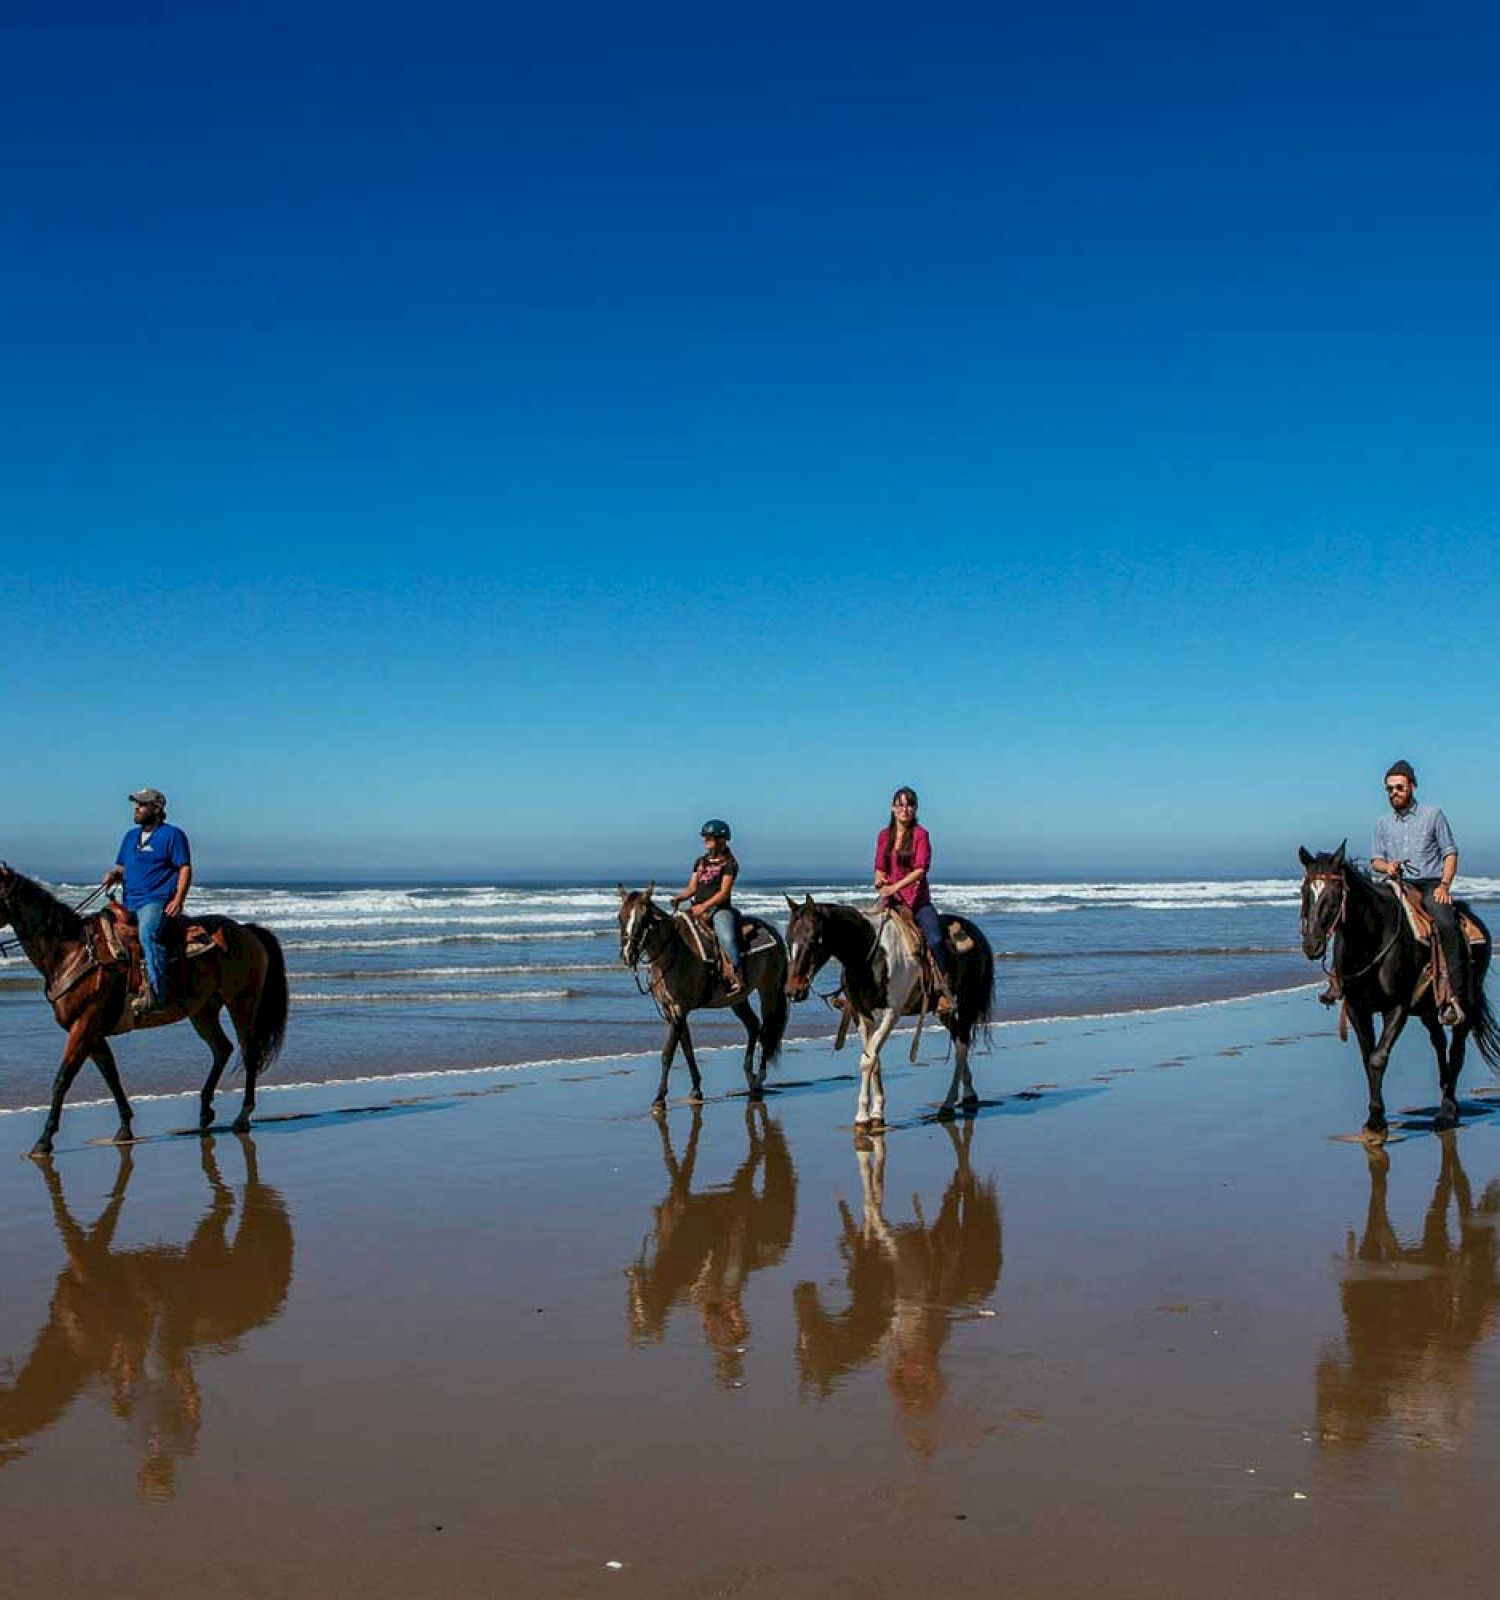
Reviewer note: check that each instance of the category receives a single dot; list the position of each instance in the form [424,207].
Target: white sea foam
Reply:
[412,997]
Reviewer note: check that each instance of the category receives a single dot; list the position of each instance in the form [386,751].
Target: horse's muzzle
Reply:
[1313,945]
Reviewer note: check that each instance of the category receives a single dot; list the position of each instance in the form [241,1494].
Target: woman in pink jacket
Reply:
[903,858]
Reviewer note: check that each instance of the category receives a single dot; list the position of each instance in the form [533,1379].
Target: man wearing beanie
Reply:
[1413,841]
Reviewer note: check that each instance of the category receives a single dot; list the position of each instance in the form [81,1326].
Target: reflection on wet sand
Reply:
[703,1247]
[905,1283]
[133,1322]
[1413,1316]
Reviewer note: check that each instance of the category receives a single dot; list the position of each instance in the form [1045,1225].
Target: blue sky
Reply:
[450,439]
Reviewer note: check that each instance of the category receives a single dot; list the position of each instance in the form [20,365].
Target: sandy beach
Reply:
[1146,1325]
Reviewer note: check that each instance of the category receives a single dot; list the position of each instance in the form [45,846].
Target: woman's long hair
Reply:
[902,850]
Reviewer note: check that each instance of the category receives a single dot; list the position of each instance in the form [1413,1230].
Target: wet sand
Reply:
[1144,1326]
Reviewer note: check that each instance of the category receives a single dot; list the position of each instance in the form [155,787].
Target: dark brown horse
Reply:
[244,970]
[1380,966]
[681,981]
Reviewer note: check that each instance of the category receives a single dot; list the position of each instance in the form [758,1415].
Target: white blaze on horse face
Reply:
[632,927]
[1315,888]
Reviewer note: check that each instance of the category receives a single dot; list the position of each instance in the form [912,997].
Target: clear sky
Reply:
[490,439]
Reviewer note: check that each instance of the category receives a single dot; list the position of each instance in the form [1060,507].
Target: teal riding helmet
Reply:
[715,828]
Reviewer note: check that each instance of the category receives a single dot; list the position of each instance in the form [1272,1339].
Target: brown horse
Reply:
[245,970]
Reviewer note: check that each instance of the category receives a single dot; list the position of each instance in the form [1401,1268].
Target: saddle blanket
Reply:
[755,936]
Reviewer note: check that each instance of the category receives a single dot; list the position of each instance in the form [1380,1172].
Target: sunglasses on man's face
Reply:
[1397,788]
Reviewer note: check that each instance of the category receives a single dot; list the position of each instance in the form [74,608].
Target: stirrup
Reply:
[1451,1014]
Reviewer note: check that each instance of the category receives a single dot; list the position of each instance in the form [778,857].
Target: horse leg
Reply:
[873,1046]
[76,1051]
[211,1031]
[1377,1057]
[104,1059]
[743,1011]
[1450,1058]
[668,1051]
[696,1093]
[242,1014]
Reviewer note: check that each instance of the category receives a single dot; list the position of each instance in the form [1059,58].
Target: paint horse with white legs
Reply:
[88,964]
[1383,970]
[682,980]
[883,982]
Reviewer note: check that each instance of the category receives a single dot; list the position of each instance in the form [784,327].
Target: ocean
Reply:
[394,979]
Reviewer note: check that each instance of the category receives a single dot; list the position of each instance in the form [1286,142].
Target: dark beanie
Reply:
[1402,769]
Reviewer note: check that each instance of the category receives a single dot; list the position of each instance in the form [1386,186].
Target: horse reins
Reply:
[13,946]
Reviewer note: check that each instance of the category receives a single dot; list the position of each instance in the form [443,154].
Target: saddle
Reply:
[119,944]
[699,936]
[1420,920]
[954,936]
[1435,974]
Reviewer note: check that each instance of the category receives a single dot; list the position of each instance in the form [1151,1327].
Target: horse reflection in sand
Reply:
[1413,1316]
[133,1322]
[704,1247]
[907,1283]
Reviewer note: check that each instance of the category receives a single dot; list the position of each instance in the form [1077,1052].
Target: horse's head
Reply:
[1323,891]
[637,914]
[805,946]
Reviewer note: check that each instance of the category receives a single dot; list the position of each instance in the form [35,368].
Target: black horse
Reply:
[883,983]
[681,981]
[1379,965]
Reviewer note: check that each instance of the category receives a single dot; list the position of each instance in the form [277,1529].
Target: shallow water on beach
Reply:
[505,1332]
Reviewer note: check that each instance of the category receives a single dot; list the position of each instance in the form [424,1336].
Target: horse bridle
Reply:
[1311,878]
[1338,922]
[641,941]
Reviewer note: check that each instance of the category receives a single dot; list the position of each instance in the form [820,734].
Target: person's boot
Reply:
[736,982]
[1450,1013]
[1333,995]
[148,1003]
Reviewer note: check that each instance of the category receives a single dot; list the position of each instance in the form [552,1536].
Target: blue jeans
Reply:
[148,924]
[726,926]
[932,931]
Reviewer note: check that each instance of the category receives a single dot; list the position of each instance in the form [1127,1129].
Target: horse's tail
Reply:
[774,1007]
[268,1029]
[976,989]
[1483,1029]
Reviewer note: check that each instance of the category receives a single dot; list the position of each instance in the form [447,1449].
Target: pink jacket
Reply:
[916,895]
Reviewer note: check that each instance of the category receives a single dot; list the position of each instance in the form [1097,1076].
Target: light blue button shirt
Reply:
[1419,838]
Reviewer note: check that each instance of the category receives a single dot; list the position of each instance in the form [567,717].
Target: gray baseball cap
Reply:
[149,797]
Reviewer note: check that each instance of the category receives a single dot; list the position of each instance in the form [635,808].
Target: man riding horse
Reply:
[1415,844]
[155,863]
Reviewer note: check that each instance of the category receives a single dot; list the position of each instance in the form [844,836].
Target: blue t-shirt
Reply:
[152,862]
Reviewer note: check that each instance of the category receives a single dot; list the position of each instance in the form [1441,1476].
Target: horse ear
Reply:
[807,903]
[651,888]
[1303,856]
[623,891]
[1338,855]
[791,904]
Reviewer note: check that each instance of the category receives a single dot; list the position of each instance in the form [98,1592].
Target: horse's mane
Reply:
[54,919]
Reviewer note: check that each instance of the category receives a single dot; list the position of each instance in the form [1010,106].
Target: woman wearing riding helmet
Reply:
[709,889]
[903,858]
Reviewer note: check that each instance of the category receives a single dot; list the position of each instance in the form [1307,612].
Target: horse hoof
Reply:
[240,1125]
[969,1103]
[695,1098]
[1374,1135]
[1445,1122]
[947,1114]
[40,1151]
[123,1135]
